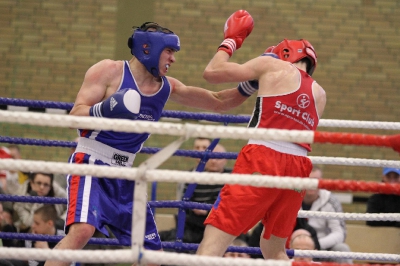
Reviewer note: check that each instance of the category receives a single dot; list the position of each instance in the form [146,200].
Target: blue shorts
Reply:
[105,201]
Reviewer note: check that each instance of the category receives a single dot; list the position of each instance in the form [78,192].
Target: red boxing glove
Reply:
[237,27]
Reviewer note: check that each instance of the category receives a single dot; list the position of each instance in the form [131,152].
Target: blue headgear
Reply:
[147,46]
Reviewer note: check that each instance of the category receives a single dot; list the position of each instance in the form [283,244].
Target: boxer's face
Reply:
[167,57]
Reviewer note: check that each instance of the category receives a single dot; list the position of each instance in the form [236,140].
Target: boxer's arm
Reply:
[94,87]
[219,70]
[320,98]
[201,98]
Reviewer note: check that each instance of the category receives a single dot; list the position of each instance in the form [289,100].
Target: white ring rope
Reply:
[359,124]
[322,122]
[170,258]
[347,255]
[164,128]
[354,161]
[159,175]
[350,216]
[189,177]
[186,259]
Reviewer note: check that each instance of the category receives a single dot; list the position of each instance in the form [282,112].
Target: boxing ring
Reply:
[148,172]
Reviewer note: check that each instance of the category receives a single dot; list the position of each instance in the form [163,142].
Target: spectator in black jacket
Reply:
[385,203]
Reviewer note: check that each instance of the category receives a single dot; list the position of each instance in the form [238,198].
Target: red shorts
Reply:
[239,208]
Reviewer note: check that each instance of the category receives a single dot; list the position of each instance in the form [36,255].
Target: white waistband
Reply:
[105,153]
[281,146]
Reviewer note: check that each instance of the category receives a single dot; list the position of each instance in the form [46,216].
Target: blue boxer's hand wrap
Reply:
[247,88]
[125,103]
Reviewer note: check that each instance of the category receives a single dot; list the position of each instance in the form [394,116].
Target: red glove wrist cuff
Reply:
[228,45]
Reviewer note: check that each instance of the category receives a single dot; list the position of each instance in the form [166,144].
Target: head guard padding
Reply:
[295,50]
[147,46]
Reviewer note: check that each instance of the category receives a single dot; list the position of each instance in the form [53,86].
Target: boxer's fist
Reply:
[237,27]
[125,103]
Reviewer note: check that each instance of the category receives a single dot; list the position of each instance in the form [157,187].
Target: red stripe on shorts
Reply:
[73,191]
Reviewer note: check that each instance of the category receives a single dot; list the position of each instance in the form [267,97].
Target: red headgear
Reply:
[295,50]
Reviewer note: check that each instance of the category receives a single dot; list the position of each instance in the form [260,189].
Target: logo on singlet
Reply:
[119,159]
[113,103]
[303,100]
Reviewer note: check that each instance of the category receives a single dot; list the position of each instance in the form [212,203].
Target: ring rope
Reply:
[209,116]
[205,206]
[212,155]
[193,247]
[189,246]
[200,178]
[192,130]
[148,256]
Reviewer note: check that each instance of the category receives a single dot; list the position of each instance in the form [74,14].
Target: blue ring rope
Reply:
[170,114]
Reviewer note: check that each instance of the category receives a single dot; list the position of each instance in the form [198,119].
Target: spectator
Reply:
[194,227]
[301,240]
[39,184]
[301,224]
[331,232]
[385,203]
[44,223]
[4,154]
[7,226]
[238,242]
[15,179]
[199,144]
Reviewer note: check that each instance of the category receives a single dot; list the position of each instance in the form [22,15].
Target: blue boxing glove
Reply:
[125,103]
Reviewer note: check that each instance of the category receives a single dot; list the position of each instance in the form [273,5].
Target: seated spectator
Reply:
[301,240]
[385,203]
[331,232]
[194,223]
[4,174]
[39,184]
[7,226]
[301,223]
[238,242]
[44,223]
[18,177]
